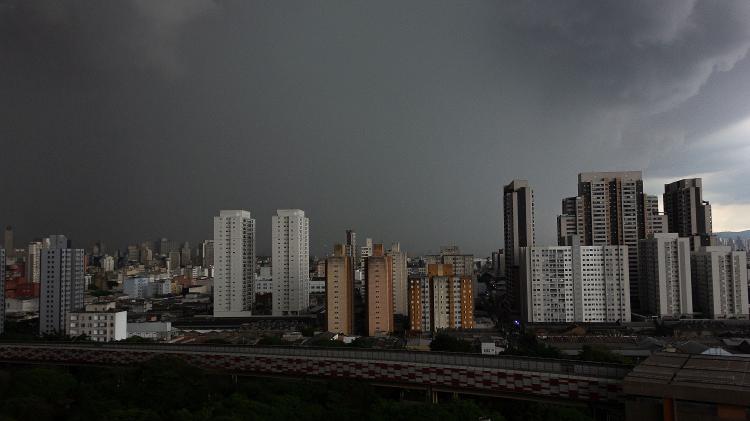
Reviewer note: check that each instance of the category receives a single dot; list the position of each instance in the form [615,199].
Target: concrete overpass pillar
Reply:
[431,395]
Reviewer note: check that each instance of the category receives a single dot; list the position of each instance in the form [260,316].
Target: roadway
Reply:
[503,376]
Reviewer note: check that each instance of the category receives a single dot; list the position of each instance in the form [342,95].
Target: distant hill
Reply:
[732,235]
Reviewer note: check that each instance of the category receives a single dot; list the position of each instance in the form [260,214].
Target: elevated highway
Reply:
[502,376]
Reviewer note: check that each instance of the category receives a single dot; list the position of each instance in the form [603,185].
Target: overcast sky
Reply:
[132,120]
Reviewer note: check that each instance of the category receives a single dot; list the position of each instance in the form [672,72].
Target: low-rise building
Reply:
[22,305]
[146,287]
[101,322]
[318,286]
[157,331]
[492,346]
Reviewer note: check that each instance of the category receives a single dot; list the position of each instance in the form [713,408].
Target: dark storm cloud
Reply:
[138,119]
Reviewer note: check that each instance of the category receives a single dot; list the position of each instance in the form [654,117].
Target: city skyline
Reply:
[179,109]
[550,238]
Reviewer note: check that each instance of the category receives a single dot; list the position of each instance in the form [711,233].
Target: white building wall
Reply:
[234,263]
[98,326]
[135,287]
[440,302]
[263,286]
[290,262]
[665,275]
[317,287]
[719,280]
[107,263]
[33,261]
[150,330]
[563,284]
[62,285]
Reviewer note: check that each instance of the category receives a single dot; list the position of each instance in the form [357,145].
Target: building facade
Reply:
[99,322]
[33,261]
[10,251]
[666,276]
[688,214]
[350,248]
[654,222]
[563,284]
[379,287]
[440,300]
[107,263]
[234,263]
[2,288]
[719,280]
[290,262]
[400,276]
[158,331]
[611,209]
[146,287]
[62,285]
[207,253]
[365,252]
[518,228]
[340,292]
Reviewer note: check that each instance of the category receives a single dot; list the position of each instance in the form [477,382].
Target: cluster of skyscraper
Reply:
[617,256]
[617,253]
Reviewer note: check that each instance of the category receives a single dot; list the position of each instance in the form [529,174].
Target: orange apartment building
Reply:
[440,300]
[379,287]
[339,292]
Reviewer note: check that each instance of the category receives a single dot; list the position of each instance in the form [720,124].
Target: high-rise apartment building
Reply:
[2,288]
[719,280]
[207,253]
[10,251]
[379,286]
[654,222]
[688,214]
[186,255]
[34,261]
[350,249]
[107,263]
[666,276]
[133,253]
[518,227]
[340,292]
[400,278]
[611,209]
[365,252]
[564,284]
[234,269]
[440,300]
[145,253]
[290,262]
[62,284]
[173,260]
[462,264]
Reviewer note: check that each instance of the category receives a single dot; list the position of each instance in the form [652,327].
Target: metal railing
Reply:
[546,365]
